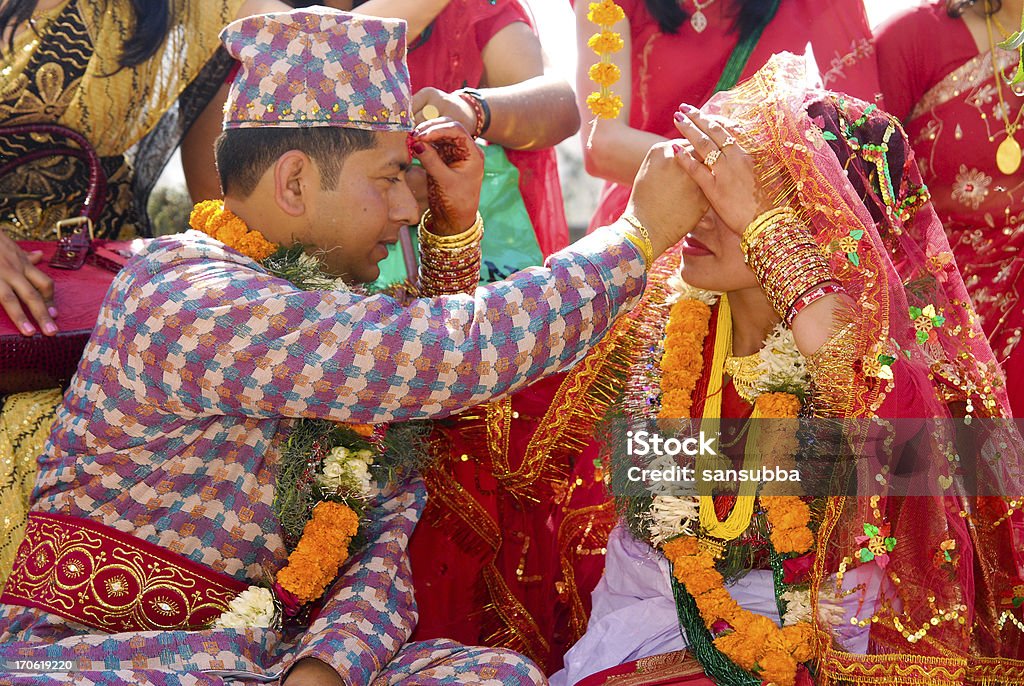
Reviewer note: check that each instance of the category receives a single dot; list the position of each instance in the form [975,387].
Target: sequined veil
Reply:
[945,612]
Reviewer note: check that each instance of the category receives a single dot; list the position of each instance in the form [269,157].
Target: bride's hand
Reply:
[722,169]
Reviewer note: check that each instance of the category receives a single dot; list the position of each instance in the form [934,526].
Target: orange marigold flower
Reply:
[254,245]
[699,581]
[605,42]
[320,552]
[678,548]
[605,13]
[780,405]
[738,649]
[716,604]
[758,628]
[231,234]
[604,106]
[794,541]
[604,74]
[777,667]
[799,640]
[364,430]
[211,217]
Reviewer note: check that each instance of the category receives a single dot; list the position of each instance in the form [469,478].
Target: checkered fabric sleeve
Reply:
[206,331]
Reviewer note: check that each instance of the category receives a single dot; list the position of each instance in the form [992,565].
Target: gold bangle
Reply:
[460,240]
[789,264]
[752,234]
[641,239]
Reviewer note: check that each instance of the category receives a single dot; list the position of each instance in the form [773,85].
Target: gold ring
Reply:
[430,112]
[727,142]
[712,157]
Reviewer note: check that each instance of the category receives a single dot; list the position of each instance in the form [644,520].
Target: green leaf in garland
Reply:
[886,360]
[908,354]
[854,258]
[829,136]
[1014,41]
[938,320]
[866,555]
[1017,602]
[915,312]
[890,543]
[870,530]
[1019,76]
[857,234]
[922,337]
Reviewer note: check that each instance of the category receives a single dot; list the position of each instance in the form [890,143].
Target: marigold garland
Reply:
[605,14]
[683,363]
[752,641]
[321,551]
[213,219]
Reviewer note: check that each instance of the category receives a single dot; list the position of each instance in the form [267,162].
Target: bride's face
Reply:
[712,258]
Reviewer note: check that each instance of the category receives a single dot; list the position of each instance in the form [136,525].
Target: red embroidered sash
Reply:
[112,581]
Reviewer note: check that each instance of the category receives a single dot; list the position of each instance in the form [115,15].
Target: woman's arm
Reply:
[531,107]
[417,13]
[612,150]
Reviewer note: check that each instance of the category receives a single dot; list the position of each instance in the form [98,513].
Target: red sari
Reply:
[836,29]
[945,94]
[448,56]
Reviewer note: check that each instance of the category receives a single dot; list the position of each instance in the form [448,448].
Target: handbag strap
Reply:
[76,245]
[96,190]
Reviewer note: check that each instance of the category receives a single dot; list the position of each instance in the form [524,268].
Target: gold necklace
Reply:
[699,20]
[1008,154]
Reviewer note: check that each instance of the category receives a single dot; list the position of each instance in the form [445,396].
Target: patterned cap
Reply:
[318,67]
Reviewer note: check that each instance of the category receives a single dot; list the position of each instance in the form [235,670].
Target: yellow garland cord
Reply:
[739,518]
[604,104]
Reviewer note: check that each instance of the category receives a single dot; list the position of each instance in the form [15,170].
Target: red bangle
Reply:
[479,106]
[810,296]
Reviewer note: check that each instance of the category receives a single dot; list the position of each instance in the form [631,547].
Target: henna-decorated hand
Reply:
[455,169]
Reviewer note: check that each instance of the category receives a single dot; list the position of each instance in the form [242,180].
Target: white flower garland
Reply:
[254,607]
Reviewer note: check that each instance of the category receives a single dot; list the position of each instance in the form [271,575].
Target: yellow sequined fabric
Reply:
[25,421]
[66,71]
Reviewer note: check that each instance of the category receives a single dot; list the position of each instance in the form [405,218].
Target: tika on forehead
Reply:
[318,67]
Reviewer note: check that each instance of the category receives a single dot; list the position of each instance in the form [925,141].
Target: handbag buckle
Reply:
[73,248]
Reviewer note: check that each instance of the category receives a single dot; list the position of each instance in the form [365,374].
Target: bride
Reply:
[825,300]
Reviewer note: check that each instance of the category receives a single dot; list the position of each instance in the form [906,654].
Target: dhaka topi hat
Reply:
[318,67]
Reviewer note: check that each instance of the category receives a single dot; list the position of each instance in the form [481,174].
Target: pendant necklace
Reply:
[1008,154]
[699,20]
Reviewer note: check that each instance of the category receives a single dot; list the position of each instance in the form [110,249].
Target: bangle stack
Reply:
[475,99]
[449,264]
[787,262]
[640,238]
